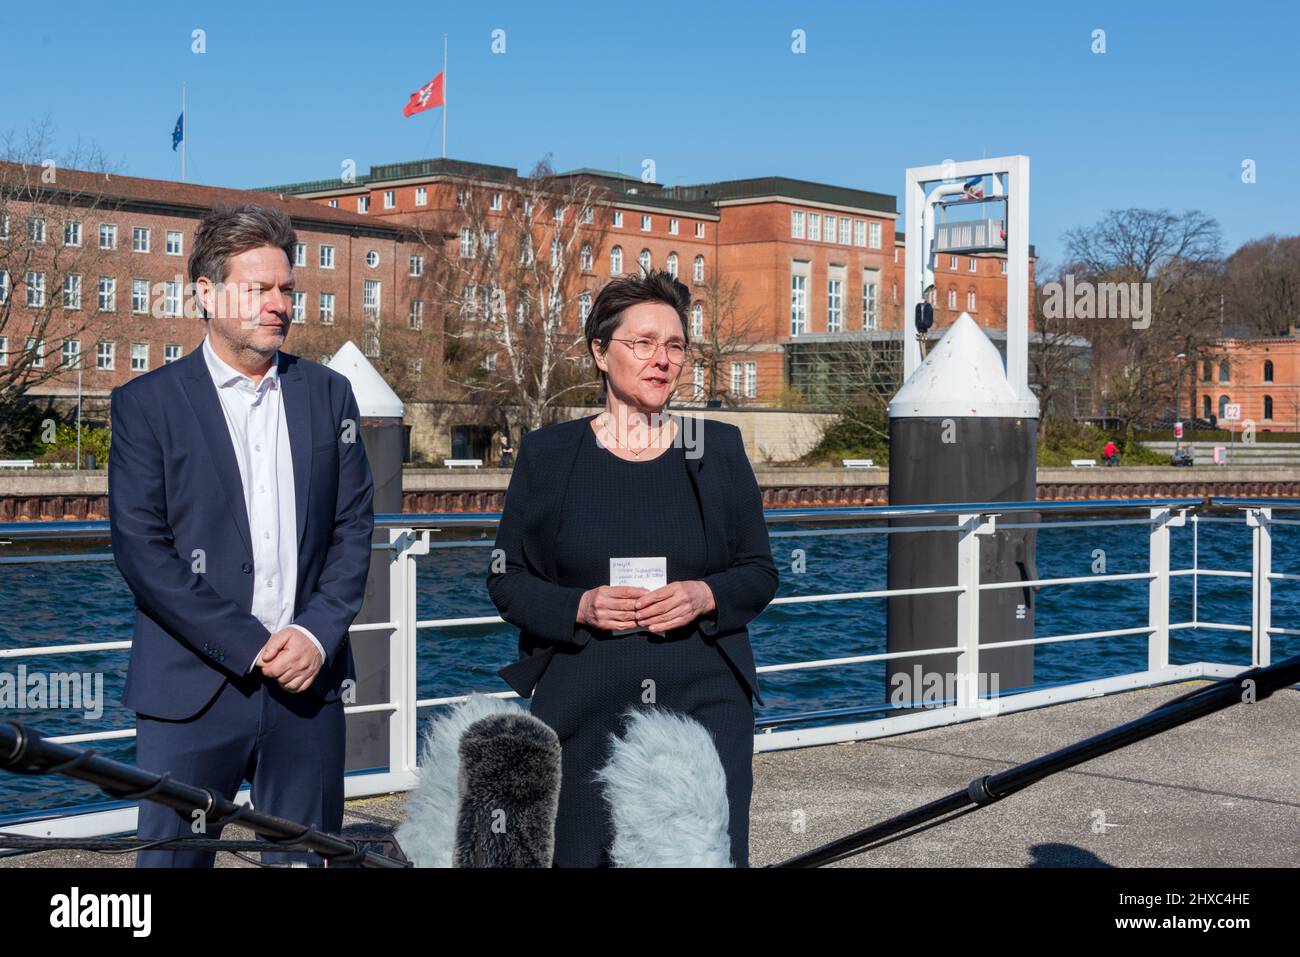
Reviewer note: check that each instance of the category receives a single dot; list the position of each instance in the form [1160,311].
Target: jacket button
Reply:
[246,568]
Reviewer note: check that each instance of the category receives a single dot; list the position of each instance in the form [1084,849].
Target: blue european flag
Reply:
[178,134]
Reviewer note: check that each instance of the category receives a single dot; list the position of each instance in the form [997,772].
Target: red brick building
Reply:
[1260,375]
[94,267]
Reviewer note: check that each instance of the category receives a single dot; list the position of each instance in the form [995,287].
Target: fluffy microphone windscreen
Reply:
[428,834]
[667,793]
[509,793]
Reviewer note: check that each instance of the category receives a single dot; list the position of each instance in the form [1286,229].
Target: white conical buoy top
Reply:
[963,376]
[374,396]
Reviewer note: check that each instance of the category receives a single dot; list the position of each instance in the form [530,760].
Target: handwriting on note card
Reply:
[648,573]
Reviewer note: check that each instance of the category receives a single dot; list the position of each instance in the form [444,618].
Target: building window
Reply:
[327,308]
[107,236]
[1223,370]
[697,319]
[671,265]
[495,202]
[645,223]
[72,234]
[699,230]
[796,224]
[834,305]
[897,253]
[171,352]
[697,274]
[327,257]
[390,199]
[415,317]
[372,258]
[421,196]
[970,300]
[175,243]
[697,383]
[334,204]
[462,198]
[584,257]
[36,230]
[417,265]
[584,306]
[37,349]
[490,362]
[139,356]
[672,227]
[490,241]
[139,239]
[844,230]
[558,215]
[616,261]
[466,243]
[952,263]
[299,308]
[1268,373]
[1205,406]
[36,289]
[751,380]
[870,301]
[1223,406]
[300,254]
[952,298]
[1003,264]
[105,354]
[815,226]
[71,353]
[737,382]
[973,267]
[588,215]
[4,227]
[370,294]
[71,292]
[1268,407]
[618,219]
[798,304]
[4,286]
[1207,370]
[645,261]
[107,298]
[363,204]
[172,298]
[859,232]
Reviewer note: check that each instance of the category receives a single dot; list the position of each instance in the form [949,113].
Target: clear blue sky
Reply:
[285,92]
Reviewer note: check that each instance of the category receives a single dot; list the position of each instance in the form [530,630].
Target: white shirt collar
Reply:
[223,374]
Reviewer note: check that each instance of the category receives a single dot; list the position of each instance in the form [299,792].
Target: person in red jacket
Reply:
[1111,452]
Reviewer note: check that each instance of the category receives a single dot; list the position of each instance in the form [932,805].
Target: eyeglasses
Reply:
[649,348]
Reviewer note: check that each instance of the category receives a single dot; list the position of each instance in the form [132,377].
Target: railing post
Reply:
[403,740]
[1261,587]
[968,606]
[1162,519]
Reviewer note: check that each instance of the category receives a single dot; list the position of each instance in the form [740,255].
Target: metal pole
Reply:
[185,132]
[78,409]
[444,96]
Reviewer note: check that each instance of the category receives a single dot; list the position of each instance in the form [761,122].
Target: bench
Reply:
[462,463]
[1083,463]
[17,463]
[859,463]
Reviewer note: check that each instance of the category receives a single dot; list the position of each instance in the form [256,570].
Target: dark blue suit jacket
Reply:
[181,538]
[741,574]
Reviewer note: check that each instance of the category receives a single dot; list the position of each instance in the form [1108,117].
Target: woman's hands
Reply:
[614,607]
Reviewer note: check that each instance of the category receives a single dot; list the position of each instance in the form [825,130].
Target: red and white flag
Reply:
[426,97]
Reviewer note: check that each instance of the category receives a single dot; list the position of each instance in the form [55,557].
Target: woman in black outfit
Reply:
[633,482]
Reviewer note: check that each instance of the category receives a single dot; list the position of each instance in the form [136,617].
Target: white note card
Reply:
[648,573]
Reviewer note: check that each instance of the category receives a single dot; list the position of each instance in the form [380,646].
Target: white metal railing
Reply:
[409,537]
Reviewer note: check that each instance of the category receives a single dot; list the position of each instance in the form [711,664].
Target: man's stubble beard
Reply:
[240,343]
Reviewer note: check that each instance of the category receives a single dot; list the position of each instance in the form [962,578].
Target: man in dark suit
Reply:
[240,502]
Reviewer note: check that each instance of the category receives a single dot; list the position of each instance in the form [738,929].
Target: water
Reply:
[60,603]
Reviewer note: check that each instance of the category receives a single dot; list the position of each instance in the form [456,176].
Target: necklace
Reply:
[636,453]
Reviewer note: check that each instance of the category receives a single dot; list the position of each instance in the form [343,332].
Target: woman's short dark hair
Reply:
[230,230]
[619,294]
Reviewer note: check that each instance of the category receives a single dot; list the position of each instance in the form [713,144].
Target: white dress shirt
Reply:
[260,434]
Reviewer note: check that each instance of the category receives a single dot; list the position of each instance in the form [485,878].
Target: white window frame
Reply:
[141,239]
[106,355]
[363,204]
[326,257]
[35,285]
[37,348]
[845,226]
[106,294]
[325,308]
[299,255]
[107,236]
[834,304]
[36,229]
[670,264]
[174,243]
[699,230]
[467,243]
[171,352]
[697,319]
[390,199]
[416,265]
[72,233]
[70,353]
[672,226]
[421,196]
[298,309]
[974,264]
[796,224]
[140,297]
[616,260]
[496,202]
[697,269]
[617,222]
[72,291]
[751,380]
[173,289]
[859,232]
[647,222]
[799,301]
[139,357]
[415,314]
[815,227]
[873,235]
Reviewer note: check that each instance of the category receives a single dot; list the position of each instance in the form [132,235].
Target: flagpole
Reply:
[444,96]
[185,134]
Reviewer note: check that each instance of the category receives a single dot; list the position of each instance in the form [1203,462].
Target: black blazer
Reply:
[524,589]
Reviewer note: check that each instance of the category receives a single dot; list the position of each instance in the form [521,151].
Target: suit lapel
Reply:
[202,395]
[297,413]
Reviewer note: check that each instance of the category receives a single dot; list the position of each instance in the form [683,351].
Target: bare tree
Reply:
[48,258]
[1262,286]
[728,329]
[514,268]
[1175,260]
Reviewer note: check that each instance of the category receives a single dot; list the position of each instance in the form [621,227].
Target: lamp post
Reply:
[1178,385]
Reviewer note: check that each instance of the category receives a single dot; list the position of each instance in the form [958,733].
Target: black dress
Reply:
[618,508]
